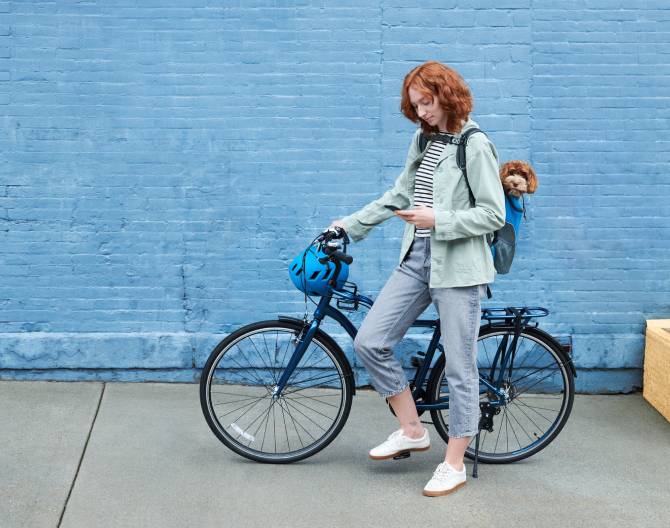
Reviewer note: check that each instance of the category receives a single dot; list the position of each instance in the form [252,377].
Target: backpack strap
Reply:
[461,159]
[423,141]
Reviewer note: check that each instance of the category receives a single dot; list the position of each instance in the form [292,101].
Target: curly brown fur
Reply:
[517,177]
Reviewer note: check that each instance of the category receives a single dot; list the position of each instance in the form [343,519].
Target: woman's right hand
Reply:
[337,223]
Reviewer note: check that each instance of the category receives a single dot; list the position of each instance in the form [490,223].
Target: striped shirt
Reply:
[423,187]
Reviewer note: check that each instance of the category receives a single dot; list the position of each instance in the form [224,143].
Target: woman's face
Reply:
[428,109]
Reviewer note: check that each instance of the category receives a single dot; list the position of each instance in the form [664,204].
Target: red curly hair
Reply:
[431,79]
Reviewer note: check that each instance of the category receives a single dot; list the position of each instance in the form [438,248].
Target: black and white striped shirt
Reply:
[423,187]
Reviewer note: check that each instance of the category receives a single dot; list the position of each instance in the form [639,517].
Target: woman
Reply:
[444,259]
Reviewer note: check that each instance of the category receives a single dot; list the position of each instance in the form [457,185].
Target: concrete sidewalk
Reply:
[127,455]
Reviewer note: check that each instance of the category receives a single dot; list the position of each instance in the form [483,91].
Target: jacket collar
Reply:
[448,152]
[468,125]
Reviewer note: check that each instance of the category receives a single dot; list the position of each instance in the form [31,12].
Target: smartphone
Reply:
[392,207]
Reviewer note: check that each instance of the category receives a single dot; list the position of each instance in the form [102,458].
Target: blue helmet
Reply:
[312,279]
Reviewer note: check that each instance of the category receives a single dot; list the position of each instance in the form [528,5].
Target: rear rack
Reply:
[504,314]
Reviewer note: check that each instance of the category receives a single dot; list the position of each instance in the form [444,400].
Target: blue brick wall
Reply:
[162,162]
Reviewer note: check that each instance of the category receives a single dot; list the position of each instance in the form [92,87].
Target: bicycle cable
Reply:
[303,278]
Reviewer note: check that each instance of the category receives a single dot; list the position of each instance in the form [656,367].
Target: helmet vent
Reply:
[314,275]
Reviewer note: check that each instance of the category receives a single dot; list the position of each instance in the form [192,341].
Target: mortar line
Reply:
[81,459]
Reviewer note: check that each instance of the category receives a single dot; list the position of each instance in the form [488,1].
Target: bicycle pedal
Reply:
[402,456]
[416,361]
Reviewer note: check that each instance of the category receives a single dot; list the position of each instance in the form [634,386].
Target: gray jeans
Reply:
[402,300]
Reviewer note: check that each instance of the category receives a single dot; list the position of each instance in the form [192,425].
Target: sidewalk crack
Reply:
[81,459]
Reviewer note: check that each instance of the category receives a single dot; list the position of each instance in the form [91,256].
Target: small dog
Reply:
[517,177]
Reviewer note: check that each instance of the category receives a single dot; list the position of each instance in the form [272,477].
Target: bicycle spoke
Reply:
[512,428]
[313,410]
[245,357]
[297,371]
[236,401]
[536,412]
[534,385]
[522,428]
[302,426]
[528,354]
[267,421]
[230,393]
[299,411]
[253,383]
[302,445]
[242,407]
[290,340]
[285,429]
[314,398]
[535,372]
[496,446]
[333,376]
[506,431]
[269,358]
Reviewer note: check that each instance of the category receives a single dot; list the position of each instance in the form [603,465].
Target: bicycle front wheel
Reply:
[238,382]
[539,392]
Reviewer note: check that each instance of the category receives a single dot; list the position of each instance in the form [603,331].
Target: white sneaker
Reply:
[445,480]
[398,443]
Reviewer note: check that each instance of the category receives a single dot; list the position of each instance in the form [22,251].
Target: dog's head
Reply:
[517,177]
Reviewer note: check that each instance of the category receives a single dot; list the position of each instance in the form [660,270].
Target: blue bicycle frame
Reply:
[518,317]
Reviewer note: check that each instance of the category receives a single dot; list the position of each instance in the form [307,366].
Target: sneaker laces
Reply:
[443,471]
[395,438]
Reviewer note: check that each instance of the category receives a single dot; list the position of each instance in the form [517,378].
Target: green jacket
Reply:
[460,255]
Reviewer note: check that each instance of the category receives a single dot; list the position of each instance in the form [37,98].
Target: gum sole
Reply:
[399,452]
[440,493]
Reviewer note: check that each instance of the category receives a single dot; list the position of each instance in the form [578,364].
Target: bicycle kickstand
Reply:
[485,422]
[474,470]
[479,431]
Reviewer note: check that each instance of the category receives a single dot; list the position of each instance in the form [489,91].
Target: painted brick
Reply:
[162,163]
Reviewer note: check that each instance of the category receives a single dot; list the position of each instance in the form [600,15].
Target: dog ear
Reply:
[531,179]
[504,171]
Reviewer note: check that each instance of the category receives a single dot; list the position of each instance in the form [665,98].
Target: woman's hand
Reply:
[337,223]
[420,216]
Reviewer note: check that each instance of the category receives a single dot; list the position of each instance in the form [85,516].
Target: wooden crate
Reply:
[656,389]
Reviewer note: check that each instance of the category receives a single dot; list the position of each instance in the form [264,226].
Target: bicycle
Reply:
[290,377]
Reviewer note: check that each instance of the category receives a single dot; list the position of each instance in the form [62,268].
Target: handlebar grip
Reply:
[342,257]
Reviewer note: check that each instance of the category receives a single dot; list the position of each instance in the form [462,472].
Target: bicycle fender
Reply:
[558,347]
[552,340]
[326,338]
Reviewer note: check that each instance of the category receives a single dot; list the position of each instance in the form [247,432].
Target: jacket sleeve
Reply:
[488,214]
[359,224]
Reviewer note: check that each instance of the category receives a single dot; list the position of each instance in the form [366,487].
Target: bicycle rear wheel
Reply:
[238,382]
[539,395]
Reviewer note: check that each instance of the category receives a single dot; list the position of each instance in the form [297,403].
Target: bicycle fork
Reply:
[303,343]
[299,352]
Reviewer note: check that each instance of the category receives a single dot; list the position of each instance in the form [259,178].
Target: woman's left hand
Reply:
[420,216]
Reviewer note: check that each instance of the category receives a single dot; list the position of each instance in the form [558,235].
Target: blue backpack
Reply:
[504,239]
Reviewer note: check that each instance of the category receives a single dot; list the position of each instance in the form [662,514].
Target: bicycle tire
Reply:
[547,381]
[238,368]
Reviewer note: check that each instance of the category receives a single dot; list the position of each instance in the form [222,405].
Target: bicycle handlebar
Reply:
[343,257]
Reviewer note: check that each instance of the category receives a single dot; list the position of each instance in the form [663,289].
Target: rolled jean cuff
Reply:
[395,393]
[462,435]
